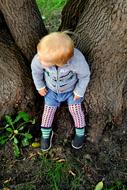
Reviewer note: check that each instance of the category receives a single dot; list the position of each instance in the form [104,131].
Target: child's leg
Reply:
[79,120]
[46,129]
[78,115]
[47,119]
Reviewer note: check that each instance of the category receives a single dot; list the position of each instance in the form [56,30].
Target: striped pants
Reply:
[75,110]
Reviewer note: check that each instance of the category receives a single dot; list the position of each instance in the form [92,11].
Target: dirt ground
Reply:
[106,161]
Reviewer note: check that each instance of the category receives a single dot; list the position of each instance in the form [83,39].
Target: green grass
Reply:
[119,185]
[51,12]
[55,172]
[47,7]
[57,176]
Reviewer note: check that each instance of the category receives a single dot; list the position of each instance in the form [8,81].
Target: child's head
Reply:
[55,49]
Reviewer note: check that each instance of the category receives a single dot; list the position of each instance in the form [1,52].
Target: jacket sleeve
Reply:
[83,74]
[37,73]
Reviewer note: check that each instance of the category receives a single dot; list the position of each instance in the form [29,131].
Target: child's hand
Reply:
[76,97]
[43,91]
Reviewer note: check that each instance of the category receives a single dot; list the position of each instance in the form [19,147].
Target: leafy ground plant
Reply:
[16,130]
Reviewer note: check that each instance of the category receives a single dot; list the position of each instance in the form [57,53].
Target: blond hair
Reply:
[56,47]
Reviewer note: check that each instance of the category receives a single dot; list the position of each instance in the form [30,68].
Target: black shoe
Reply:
[78,141]
[46,144]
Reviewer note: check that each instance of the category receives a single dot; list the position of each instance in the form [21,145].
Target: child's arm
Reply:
[83,75]
[37,74]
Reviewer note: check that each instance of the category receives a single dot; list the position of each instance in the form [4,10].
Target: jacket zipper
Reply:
[57,79]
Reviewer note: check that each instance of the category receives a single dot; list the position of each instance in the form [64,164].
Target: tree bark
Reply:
[21,28]
[101,34]
[16,92]
[25,24]
[70,17]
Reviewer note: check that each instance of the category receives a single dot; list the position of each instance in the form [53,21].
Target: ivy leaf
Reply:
[99,186]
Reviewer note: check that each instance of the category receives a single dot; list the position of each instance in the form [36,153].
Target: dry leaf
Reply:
[61,160]
[71,172]
[8,180]
[56,159]
[32,154]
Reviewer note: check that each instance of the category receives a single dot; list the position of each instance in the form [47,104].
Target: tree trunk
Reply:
[21,28]
[16,92]
[70,17]
[25,24]
[101,34]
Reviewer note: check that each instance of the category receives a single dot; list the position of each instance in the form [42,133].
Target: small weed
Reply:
[15,130]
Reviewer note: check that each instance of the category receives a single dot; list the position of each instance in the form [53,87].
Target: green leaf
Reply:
[21,128]
[33,121]
[15,140]
[3,140]
[16,150]
[99,186]
[7,125]
[9,120]
[24,116]
[25,142]
[18,117]
[119,184]
[9,129]
[28,136]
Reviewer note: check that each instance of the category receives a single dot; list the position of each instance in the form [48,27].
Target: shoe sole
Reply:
[76,147]
[44,150]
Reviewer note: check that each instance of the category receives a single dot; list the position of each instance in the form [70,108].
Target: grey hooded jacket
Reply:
[73,76]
